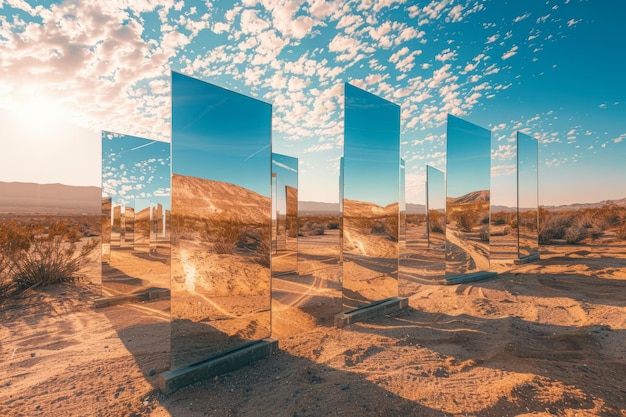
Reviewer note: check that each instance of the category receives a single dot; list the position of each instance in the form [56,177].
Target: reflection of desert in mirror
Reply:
[527,196]
[311,297]
[425,259]
[135,187]
[221,220]
[467,197]
[514,203]
[371,170]
[284,215]
[220,277]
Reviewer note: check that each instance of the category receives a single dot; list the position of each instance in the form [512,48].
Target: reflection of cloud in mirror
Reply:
[135,168]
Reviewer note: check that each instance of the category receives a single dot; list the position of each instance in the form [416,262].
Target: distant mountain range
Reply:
[473,197]
[24,197]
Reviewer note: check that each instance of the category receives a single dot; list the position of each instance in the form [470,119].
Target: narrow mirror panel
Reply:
[527,189]
[371,166]
[134,171]
[467,198]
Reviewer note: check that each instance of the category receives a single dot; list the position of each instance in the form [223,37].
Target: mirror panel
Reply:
[371,166]
[284,215]
[527,189]
[221,220]
[135,171]
[468,173]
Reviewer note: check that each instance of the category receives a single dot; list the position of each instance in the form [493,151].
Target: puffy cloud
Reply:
[510,53]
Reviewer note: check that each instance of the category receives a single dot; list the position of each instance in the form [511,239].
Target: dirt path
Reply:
[542,339]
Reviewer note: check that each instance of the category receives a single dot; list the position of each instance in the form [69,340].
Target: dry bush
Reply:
[43,254]
[465,219]
[262,248]
[224,235]
[436,221]
[575,234]
[553,226]
[621,231]
[311,227]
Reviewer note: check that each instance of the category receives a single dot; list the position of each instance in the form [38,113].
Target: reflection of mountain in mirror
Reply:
[371,166]
[468,169]
[221,220]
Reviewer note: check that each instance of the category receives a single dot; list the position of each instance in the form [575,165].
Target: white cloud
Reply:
[510,53]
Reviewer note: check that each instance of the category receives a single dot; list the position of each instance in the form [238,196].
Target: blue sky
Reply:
[371,148]
[220,135]
[285,169]
[135,169]
[551,68]
[468,166]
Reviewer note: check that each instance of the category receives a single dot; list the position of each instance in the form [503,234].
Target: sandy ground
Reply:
[542,339]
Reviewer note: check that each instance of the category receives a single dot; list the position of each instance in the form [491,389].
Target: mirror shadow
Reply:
[371,169]
[221,220]
[468,170]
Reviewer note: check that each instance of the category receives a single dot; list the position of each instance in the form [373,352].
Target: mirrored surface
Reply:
[425,258]
[527,184]
[467,197]
[135,173]
[105,227]
[221,220]
[371,166]
[284,215]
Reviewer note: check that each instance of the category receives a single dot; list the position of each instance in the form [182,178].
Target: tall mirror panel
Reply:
[435,223]
[371,166]
[468,173]
[221,220]
[284,215]
[135,172]
[527,205]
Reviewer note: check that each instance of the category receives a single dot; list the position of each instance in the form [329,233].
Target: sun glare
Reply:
[40,114]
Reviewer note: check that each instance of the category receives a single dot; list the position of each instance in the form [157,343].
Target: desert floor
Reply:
[547,338]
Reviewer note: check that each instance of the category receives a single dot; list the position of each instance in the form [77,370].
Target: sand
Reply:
[547,338]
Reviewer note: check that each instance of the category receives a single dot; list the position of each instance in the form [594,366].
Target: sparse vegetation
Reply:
[40,254]
[574,226]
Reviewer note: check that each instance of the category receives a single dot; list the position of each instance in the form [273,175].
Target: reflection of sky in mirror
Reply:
[527,153]
[220,135]
[468,157]
[135,168]
[402,185]
[435,189]
[371,148]
[286,170]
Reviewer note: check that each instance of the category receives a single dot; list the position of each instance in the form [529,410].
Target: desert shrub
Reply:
[262,248]
[223,235]
[45,254]
[436,221]
[311,228]
[621,231]
[553,226]
[6,283]
[575,234]
[465,219]
[333,226]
